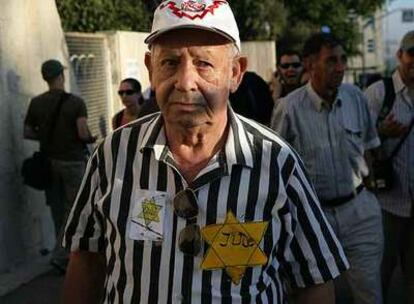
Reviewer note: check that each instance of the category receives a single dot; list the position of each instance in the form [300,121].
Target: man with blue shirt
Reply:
[329,125]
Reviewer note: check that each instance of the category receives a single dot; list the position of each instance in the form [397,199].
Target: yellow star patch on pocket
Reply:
[150,211]
[234,246]
[146,222]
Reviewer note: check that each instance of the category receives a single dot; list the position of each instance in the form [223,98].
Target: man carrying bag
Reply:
[58,120]
[397,196]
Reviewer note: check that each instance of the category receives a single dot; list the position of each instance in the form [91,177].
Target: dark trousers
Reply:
[398,245]
[66,179]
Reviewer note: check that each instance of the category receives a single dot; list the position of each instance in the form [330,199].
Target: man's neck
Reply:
[56,86]
[132,110]
[193,148]
[327,94]
[287,88]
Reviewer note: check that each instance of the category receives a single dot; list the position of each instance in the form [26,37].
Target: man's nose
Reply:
[186,77]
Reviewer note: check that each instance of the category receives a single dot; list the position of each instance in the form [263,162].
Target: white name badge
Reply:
[147,220]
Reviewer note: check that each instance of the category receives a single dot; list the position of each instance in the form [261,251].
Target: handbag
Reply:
[36,170]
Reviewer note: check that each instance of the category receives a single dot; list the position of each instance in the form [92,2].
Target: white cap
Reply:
[210,15]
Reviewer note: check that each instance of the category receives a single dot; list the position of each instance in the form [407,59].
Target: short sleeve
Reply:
[30,118]
[375,96]
[280,120]
[81,109]
[83,229]
[310,252]
[371,139]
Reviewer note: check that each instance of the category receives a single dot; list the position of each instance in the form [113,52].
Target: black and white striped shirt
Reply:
[257,176]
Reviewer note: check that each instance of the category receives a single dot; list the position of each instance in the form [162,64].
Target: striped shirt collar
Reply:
[238,149]
[319,102]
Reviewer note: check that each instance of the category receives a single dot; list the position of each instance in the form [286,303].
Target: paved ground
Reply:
[46,289]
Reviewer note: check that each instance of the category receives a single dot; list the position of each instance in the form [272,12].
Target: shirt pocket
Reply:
[353,137]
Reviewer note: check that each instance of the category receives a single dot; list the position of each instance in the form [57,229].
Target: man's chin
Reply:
[292,81]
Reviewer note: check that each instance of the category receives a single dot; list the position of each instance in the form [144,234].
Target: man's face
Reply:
[406,67]
[192,73]
[327,68]
[290,69]
[128,95]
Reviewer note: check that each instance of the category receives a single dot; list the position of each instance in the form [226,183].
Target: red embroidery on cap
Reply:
[192,9]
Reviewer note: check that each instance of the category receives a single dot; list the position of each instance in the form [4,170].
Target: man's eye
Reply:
[169,62]
[204,64]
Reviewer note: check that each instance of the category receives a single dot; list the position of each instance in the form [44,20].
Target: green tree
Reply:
[259,20]
[307,16]
[288,21]
[100,15]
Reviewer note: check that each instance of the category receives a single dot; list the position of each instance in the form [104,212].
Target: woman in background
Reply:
[131,96]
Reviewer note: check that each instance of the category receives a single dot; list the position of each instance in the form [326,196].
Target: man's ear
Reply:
[147,61]
[239,68]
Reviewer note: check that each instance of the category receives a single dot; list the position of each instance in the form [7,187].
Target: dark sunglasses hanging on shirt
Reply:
[185,206]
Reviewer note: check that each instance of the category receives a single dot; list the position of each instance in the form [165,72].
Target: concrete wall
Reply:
[261,57]
[30,32]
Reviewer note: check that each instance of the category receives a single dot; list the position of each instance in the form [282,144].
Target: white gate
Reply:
[89,58]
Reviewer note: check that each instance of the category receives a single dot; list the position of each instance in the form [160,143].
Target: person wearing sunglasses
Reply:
[197,203]
[288,76]
[329,124]
[130,93]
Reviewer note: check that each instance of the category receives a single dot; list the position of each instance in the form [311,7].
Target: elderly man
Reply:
[395,126]
[158,187]
[330,126]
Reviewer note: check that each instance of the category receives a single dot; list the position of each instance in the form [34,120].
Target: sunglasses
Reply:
[126,92]
[294,65]
[186,207]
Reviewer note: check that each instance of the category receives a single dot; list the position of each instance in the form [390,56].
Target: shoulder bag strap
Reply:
[55,115]
[389,98]
[397,148]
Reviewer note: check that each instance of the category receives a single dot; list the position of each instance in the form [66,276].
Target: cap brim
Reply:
[156,34]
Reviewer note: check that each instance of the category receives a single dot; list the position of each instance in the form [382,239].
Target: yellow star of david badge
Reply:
[150,211]
[234,246]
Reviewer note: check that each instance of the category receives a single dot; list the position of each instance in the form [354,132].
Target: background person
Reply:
[65,145]
[288,75]
[252,99]
[131,96]
[397,202]
[329,124]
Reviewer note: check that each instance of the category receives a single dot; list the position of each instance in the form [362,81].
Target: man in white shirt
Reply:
[394,130]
